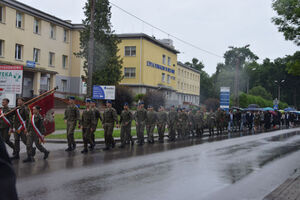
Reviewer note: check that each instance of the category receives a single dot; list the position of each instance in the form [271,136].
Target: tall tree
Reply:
[288,19]
[107,64]
[195,64]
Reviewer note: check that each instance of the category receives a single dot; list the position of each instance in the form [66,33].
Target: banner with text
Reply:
[11,78]
[224,98]
[104,92]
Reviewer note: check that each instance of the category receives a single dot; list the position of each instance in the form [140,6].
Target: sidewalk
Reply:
[290,189]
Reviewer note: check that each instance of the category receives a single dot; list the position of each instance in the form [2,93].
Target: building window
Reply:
[64,85]
[36,26]
[164,59]
[169,61]
[1,14]
[19,20]
[129,72]
[168,78]
[52,31]
[130,51]
[36,55]
[66,35]
[163,77]
[64,61]
[1,47]
[19,52]
[51,59]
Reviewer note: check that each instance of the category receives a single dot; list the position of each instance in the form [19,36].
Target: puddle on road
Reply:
[282,137]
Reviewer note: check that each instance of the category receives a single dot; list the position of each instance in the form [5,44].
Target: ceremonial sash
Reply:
[36,130]
[23,124]
[7,122]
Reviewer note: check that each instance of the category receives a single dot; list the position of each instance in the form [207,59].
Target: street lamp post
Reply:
[279,84]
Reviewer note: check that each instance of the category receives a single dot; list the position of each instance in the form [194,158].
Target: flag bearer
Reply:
[6,123]
[36,131]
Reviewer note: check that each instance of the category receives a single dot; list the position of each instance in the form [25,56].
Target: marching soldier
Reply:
[219,121]
[87,125]
[198,123]
[211,123]
[140,120]
[162,119]
[109,118]
[181,121]
[172,117]
[191,123]
[36,131]
[71,117]
[21,122]
[185,123]
[98,116]
[6,123]
[125,122]
[150,124]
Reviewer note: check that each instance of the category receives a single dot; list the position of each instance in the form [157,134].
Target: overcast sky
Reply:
[212,25]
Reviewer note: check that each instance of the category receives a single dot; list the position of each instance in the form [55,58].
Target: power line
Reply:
[163,31]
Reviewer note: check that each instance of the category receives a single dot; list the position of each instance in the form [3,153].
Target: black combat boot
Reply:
[28,159]
[33,151]
[46,155]
[132,142]
[84,151]
[74,146]
[69,149]
[15,157]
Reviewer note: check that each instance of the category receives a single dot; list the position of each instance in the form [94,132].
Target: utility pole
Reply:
[236,83]
[91,51]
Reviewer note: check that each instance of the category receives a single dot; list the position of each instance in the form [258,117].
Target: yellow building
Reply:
[149,64]
[188,84]
[44,45]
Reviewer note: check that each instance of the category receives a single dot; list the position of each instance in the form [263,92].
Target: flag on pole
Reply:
[47,111]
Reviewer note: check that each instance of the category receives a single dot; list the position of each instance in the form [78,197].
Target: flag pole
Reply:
[32,100]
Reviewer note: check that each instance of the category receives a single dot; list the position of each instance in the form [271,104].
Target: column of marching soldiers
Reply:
[181,123]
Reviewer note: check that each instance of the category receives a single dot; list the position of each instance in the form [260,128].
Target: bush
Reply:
[139,97]
[212,104]
[260,91]
[123,94]
[154,98]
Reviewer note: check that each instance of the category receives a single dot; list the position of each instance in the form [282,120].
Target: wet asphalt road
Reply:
[224,167]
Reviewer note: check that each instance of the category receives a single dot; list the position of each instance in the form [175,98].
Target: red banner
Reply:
[47,112]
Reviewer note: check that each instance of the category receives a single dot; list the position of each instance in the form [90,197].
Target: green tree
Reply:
[288,19]
[260,91]
[293,64]
[107,64]
[196,64]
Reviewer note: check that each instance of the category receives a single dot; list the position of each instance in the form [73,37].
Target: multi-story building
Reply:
[188,84]
[44,45]
[149,64]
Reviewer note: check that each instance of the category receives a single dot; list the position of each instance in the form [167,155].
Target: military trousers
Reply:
[198,130]
[172,132]
[6,137]
[140,128]
[150,131]
[125,133]
[33,138]
[161,131]
[18,137]
[71,125]
[87,137]
[108,134]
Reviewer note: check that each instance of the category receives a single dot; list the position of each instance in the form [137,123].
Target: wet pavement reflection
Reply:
[193,168]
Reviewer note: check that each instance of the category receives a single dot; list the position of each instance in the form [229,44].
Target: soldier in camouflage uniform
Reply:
[219,121]
[140,120]
[150,124]
[211,123]
[21,122]
[198,123]
[36,126]
[172,118]
[191,123]
[72,115]
[185,123]
[98,116]
[181,123]
[110,116]
[6,123]
[87,125]
[162,119]
[126,118]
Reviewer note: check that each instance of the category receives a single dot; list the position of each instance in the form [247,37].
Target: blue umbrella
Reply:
[289,109]
[268,109]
